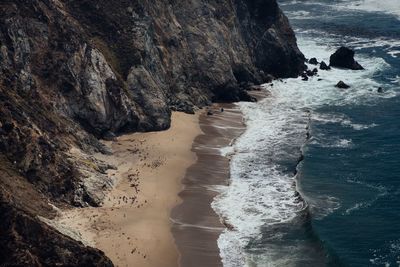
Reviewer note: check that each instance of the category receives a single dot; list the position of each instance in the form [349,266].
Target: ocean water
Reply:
[315,179]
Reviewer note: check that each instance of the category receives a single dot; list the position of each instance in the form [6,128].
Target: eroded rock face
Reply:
[25,241]
[73,71]
[70,69]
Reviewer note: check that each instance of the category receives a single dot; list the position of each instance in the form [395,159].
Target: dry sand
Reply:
[133,227]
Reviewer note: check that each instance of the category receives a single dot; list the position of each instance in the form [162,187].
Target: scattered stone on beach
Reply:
[342,85]
[344,58]
[324,66]
[304,77]
[313,61]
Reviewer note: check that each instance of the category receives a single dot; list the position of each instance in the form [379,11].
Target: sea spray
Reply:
[261,203]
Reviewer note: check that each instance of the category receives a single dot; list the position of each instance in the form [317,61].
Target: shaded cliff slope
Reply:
[73,71]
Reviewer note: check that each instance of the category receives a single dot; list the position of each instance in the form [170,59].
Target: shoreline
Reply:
[133,226]
[196,226]
[159,211]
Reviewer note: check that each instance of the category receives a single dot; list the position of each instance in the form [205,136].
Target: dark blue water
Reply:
[361,176]
[315,179]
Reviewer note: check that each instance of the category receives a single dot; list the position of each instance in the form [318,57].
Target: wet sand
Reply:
[196,226]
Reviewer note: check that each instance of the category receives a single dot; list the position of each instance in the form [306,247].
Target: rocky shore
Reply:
[73,72]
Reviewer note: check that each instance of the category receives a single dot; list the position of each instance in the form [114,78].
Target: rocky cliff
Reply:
[73,71]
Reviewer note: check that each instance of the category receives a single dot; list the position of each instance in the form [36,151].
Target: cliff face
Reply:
[72,71]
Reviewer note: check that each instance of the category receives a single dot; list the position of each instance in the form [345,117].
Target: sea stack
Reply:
[344,58]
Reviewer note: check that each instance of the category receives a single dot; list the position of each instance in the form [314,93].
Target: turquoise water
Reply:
[340,149]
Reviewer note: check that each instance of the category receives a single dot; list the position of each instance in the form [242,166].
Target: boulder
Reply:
[313,61]
[380,90]
[342,85]
[344,58]
[324,66]
[311,73]
[109,136]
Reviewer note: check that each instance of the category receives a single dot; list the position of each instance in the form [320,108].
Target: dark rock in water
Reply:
[380,90]
[210,113]
[313,61]
[311,73]
[324,66]
[304,77]
[228,226]
[342,85]
[344,58]
[269,78]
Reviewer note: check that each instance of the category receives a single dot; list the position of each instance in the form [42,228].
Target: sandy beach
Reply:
[159,212]
[196,226]
[133,227]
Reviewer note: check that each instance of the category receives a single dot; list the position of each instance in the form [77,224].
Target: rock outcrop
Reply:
[344,58]
[73,71]
[313,61]
[24,239]
[323,66]
[342,85]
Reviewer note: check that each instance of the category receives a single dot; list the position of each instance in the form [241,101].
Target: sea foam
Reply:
[387,6]
[262,192]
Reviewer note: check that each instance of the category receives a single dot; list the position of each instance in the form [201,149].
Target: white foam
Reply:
[342,120]
[386,6]
[227,151]
[260,194]
[381,192]
[394,53]
[389,45]
[380,256]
